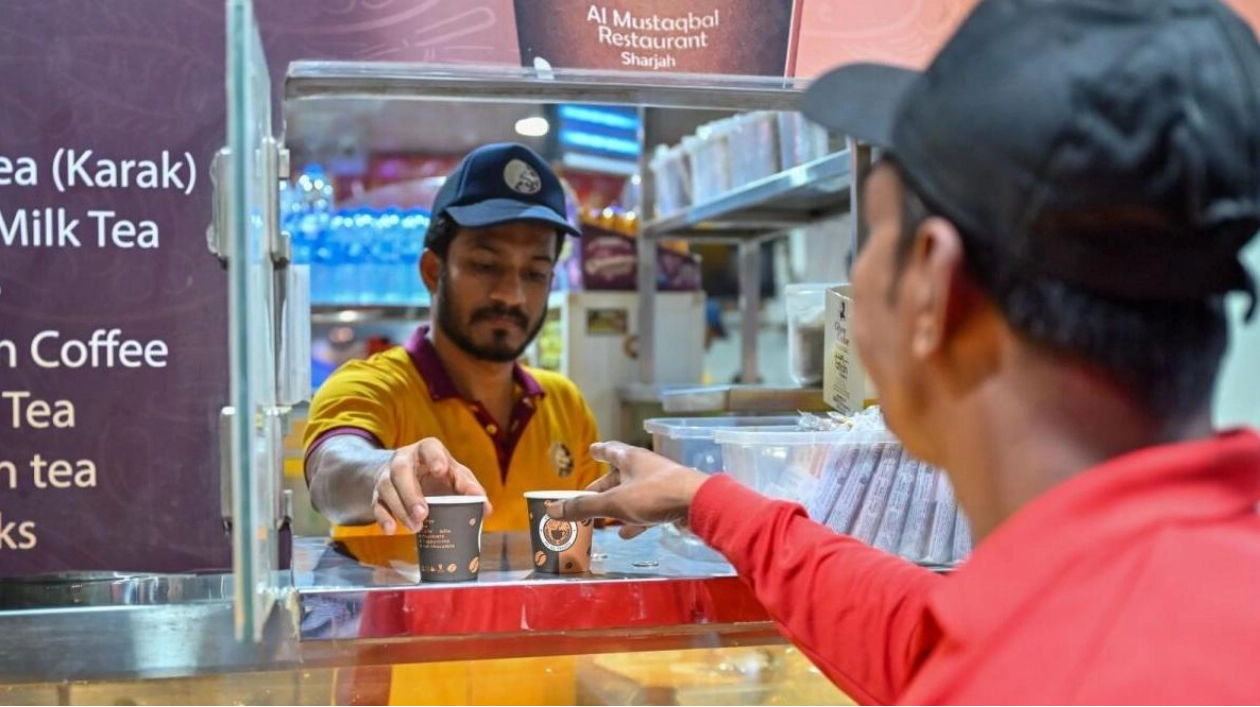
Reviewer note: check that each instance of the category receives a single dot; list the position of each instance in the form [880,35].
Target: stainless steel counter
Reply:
[334,611]
[637,585]
[506,558]
[136,641]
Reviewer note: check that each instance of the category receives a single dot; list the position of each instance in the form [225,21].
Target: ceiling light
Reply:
[536,126]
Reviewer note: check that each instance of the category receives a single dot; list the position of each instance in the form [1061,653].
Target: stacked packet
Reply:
[869,487]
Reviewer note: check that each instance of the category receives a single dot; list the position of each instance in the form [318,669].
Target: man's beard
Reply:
[498,352]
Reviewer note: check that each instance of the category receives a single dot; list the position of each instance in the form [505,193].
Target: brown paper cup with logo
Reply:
[560,546]
[449,544]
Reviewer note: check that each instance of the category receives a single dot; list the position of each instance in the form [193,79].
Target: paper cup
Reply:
[449,544]
[559,546]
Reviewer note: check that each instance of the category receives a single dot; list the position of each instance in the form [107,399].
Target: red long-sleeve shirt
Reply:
[1137,581]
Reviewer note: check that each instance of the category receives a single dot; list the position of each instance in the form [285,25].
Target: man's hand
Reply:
[642,489]
[425,467]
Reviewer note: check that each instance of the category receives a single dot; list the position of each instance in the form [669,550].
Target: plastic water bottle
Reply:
[371,290]
[390,255]
[384,250]
[339,276]
[305,229]
[324,261]
[305,209]
[411,246]
[358,264]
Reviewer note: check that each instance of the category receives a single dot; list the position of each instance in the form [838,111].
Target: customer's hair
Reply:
[444,229]
[1166,353]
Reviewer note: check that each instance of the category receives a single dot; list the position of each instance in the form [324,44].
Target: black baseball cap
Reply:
[1113,144]
[499,183]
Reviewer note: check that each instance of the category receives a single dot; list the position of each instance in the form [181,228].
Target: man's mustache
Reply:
[500,311]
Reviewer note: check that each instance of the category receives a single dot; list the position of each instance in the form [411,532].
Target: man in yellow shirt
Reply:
[452,411]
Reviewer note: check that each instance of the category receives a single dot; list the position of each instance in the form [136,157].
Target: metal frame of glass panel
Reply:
[252,236]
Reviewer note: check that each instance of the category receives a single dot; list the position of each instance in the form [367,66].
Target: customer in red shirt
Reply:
[1054,225]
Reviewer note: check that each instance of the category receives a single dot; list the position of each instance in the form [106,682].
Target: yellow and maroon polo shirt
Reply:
[405,394]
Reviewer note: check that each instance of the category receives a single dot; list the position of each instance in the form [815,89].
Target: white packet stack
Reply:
[913,544]
[836,466]
[945,510]
[872,509]
[841,517]
[962,538]
[889,533]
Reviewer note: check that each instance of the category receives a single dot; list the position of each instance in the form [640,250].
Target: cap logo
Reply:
[521,178]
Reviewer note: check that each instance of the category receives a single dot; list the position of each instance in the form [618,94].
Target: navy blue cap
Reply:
[1114,145]
[500,183]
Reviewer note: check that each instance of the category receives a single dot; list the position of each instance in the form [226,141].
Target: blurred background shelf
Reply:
[742,399]
[789,199]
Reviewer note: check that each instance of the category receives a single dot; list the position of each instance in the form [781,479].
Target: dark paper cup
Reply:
[449,544]
[559,546]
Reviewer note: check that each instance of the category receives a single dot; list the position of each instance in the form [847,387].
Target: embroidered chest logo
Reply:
[561,459]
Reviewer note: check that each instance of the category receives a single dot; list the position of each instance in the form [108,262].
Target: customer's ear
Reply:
[934,274]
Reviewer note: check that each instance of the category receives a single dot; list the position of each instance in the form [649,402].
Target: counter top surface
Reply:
[657,592]
[321,564]
[662,579]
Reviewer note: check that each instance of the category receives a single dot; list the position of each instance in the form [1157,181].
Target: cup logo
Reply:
[522,178]
[557,535]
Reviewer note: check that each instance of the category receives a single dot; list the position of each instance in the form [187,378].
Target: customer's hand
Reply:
[642,489]
[414,471]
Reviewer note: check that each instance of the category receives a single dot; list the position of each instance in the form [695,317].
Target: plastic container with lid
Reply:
[776,461]
[709,156]
[800,140]
[754,147]
[806,306]
[856,482]
[672,180]
[689,440]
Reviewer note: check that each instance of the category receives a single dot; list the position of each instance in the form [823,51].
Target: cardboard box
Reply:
[845,384]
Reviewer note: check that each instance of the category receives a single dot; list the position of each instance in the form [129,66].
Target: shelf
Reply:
[789,199]
[417,81]
[743,399]
[648,393]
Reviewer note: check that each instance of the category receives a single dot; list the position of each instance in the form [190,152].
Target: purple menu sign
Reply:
[113,335]
[112,313]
